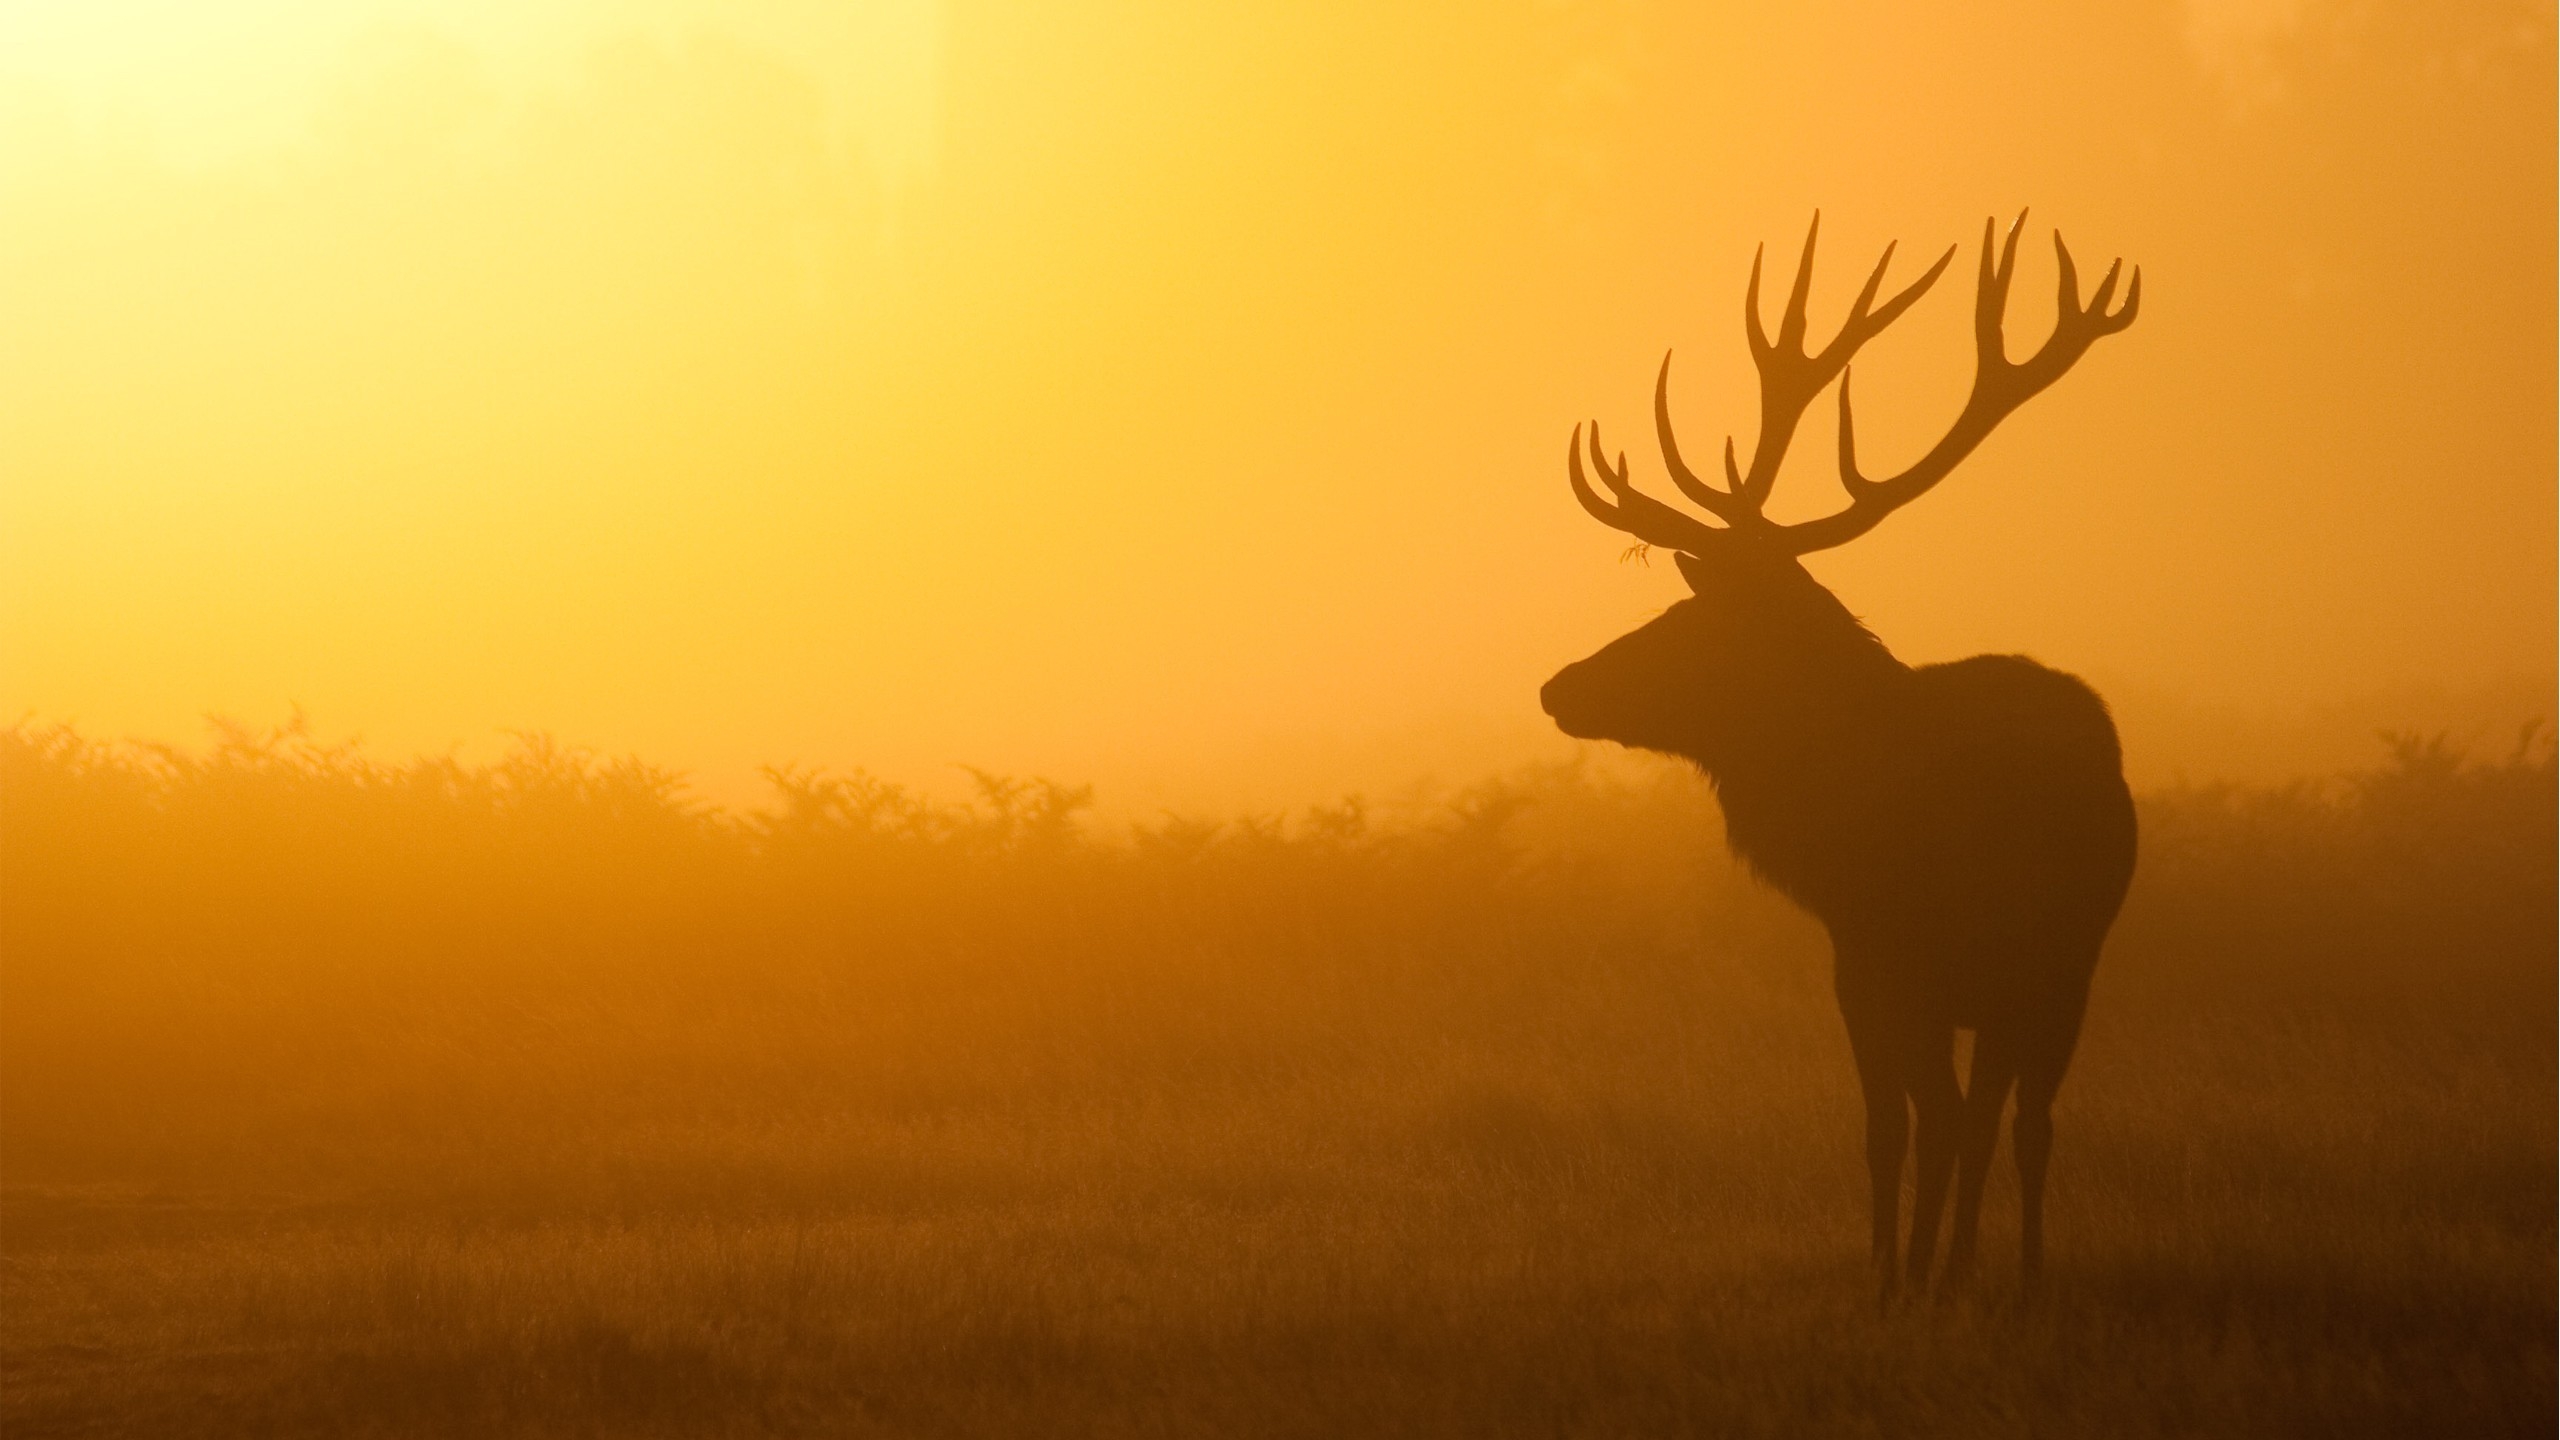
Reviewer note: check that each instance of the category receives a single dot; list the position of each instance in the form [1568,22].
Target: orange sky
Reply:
[1175,395]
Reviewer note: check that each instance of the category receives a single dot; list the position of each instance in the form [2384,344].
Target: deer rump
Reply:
[1978,830]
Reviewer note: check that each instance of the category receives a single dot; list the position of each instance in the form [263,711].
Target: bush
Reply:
[237,950]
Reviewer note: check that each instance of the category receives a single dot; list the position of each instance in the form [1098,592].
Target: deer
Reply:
[1962,831]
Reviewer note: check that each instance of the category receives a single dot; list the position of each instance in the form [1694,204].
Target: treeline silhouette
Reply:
[282,957]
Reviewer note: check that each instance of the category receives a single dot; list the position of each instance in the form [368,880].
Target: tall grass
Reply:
[534,1097]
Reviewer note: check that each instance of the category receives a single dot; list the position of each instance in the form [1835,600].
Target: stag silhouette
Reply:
[1962,830]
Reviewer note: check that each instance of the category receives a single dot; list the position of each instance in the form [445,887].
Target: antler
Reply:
[1998,387]
[1790,377]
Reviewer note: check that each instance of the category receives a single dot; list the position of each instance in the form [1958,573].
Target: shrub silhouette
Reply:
[256,957]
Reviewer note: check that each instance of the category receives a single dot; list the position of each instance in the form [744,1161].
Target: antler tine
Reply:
[1613,476]
[1601,510]
[1865,324]
[1582,486]
[2105,323]
[2092,316]
[1635,512]
[1991,295]
[1791,324]
[1725,505]
[1850,479]
[1751,305]
[2067,278]
[1867,292]
[1912,292]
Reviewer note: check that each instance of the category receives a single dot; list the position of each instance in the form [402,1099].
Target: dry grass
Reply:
[340,1099]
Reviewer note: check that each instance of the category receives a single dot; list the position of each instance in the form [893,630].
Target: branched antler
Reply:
[1791,376]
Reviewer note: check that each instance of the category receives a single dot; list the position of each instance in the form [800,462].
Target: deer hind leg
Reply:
[1939,1105]
[1986,1095]
[2033,1131]
[2040,1067]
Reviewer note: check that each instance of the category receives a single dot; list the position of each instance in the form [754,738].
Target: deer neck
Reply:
[1794,782]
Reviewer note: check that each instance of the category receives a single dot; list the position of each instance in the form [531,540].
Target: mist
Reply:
[838,719]
[1144,396]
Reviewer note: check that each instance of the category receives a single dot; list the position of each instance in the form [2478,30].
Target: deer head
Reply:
[1758,633]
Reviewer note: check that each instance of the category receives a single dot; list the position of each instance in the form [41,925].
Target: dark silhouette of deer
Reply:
[1962,830]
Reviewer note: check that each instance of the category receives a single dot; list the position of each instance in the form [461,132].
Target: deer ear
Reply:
[1703,575]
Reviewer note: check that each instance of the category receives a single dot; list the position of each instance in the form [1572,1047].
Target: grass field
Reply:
[348,1099]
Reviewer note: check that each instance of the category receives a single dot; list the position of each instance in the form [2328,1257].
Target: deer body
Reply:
[1963,831]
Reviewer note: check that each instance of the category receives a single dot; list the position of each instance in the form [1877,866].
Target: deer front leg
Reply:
[1888,1133]
[1939,1104]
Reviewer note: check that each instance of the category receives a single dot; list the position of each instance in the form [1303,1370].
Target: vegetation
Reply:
[342,1097]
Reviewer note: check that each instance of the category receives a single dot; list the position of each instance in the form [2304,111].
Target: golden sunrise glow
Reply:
[1176,395]
[853,717]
